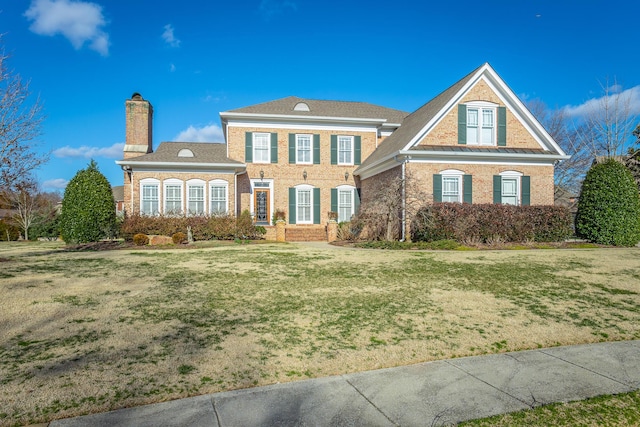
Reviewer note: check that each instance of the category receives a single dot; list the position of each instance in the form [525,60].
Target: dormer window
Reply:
[301,106]
[185,152]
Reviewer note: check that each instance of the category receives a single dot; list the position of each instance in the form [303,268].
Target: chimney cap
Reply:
[136,96]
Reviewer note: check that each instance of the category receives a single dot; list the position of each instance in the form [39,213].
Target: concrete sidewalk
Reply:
[435,393]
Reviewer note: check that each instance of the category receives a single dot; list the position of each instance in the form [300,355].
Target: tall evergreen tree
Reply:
[609,206]
[88,208]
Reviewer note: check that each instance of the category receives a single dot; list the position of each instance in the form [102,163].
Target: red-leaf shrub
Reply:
[481,223]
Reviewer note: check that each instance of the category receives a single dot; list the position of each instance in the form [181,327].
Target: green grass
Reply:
[617,410]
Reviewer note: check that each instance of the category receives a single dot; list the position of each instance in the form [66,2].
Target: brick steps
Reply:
[300,233]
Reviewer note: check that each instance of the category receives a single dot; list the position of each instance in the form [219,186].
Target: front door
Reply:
[261,203]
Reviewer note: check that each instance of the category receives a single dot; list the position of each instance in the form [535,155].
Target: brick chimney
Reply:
[139,122]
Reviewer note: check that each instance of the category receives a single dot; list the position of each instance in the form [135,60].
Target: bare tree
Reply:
[568,174]
[20,122]
[389,201]
[608,121]
[30,206]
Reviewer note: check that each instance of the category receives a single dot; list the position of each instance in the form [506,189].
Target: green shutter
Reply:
[437,187]
[274,148]
[467,189]
[525,182]
[316,206]
[356,205]
[334,200]
[292,205]
[334,149]
[292,148]
[316,149]
[357,148]
[502,127]
[462,124]
[248,147]
[497,189]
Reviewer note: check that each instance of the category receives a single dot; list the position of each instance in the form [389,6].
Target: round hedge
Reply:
[609,206]
[88,208]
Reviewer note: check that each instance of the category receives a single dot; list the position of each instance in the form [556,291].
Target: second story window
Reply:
[481,126]
[303,149]
[261,142]
[345,150]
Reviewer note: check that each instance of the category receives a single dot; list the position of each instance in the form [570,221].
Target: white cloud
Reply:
[78,21]
[169,37]
[210,133]
[113,152]
[632,96]
[172,68]
[55,184]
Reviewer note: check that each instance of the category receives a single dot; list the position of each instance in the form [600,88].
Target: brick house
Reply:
[476,142]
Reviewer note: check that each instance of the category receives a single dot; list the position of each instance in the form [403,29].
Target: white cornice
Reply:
[294,118]
[232,167]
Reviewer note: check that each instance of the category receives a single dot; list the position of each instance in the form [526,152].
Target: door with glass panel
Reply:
[261,204]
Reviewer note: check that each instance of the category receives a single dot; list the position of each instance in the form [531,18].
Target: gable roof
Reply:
[403,142]
[286,108]
[205,154]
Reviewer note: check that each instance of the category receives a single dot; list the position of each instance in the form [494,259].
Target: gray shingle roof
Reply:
[118,192]
[203,152]
[476,149]
[320,108]
[414,122]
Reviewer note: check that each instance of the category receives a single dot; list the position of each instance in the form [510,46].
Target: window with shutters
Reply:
[451,191]
[261,147]
[345,205]
[345,150]
[512,188]
[481,129]
[303,149]
[304,202]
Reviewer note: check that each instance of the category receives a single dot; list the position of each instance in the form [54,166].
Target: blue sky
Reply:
[192,59]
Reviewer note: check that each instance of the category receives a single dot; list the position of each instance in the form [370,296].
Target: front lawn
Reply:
[92,331]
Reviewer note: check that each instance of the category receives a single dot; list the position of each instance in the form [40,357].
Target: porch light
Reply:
[346,176]
[261,174]
[304,174]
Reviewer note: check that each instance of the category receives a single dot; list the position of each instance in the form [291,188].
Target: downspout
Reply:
[404,199]
[131,183]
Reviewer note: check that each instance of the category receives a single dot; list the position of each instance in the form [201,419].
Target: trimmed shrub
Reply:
[489,223]
[88,209]
[609,206]
[217,227]
[140,239]
[179,238]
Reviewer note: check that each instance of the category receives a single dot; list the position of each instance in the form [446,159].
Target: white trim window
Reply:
[345,150]
[304,149]
[510,187]
[304,204]
[261,147]
[172,196]
[346,202]
[195,197]
[149,196]
[481,123]
[452,185]
[219,197]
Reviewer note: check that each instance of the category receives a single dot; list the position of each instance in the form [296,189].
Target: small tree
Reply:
[88,209]
[609,206]
[30,206]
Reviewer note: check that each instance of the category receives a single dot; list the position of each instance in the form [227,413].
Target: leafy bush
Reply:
[179,238]
[88,209]
[46,227]
[483,223]
[140,239]
[609,206]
